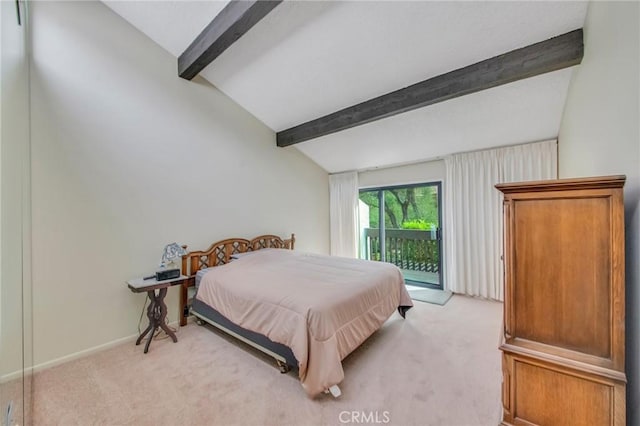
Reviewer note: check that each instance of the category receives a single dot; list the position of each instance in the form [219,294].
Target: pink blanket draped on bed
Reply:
[322,307]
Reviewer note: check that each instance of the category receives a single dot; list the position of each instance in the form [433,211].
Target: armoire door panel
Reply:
[562,271]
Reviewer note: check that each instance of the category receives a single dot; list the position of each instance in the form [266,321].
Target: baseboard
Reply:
[76,355]
[83,353]
[12,376]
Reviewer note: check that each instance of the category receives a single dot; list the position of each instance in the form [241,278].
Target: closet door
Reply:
[15,289]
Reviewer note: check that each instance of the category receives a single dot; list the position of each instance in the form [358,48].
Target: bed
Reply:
[308,311]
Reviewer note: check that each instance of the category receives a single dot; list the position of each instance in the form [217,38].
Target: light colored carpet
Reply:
[429,295]
[18,392]
[440,366]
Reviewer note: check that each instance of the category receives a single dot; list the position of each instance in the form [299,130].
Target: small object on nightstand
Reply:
[171,253]
[157,310]
[164,274]
[167,274]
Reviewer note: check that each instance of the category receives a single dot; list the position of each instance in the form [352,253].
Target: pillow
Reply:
[247,253]
[239,255]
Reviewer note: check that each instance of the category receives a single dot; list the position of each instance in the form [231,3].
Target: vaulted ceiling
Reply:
[307,59]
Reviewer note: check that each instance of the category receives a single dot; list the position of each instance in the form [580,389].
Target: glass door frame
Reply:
[16,333]
[382,233]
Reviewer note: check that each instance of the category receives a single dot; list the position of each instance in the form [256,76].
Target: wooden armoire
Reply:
[563,346]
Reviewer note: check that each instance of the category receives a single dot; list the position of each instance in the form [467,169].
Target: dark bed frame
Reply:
[220,253]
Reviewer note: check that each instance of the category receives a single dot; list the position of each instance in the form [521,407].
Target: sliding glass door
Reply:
[401,225]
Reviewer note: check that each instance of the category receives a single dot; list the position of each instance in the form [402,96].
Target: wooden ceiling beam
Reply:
[550,55]
[237,17]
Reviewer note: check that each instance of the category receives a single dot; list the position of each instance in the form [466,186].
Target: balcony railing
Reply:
[409,249]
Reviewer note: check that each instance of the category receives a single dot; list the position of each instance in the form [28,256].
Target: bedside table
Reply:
[157,310]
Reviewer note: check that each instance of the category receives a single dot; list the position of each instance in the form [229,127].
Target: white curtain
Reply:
[343,214]
[473,211]
[535,161]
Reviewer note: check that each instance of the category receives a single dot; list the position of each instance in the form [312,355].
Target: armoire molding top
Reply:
[615,181]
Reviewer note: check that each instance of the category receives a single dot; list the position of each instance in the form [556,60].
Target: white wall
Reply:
[430,171]
[127,157]
[599,136]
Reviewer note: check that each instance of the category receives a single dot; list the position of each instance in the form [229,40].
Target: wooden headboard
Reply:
[219,253]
